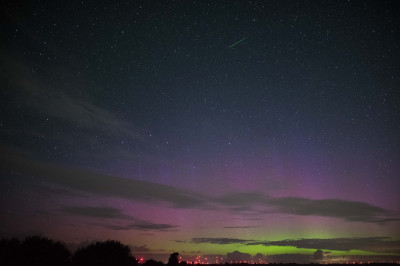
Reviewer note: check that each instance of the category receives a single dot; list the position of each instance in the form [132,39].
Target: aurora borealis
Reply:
[203,127]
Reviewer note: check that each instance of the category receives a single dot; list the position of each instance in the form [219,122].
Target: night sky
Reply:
[203,127]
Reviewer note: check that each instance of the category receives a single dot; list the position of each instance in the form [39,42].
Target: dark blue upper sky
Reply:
[265,100]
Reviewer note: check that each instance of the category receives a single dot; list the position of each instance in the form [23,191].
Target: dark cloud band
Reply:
[105,185]
[354,211]
[372,244]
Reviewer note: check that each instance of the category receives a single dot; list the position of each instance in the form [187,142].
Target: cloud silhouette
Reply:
[219,241]
[373,244]
[240,227]
[348,210]
[140,249]
[242,200]
[143,226]
[97,212]
[105,185]
[113,213]
[98,184]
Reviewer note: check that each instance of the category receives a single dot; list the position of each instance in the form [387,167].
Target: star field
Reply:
[203,127]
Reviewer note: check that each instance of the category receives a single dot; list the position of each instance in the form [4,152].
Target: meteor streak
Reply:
[245,38]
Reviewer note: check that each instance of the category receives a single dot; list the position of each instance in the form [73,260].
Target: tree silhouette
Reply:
[104,254]
[318,255]
[173,259]
[41,251]
[10,251]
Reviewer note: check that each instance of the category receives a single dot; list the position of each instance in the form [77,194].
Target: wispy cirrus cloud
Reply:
[50,93]
[57,117]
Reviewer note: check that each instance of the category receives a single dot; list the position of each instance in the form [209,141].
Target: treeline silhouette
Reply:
[42,251]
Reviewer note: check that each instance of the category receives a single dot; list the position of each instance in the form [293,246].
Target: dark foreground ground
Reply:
[302,264]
